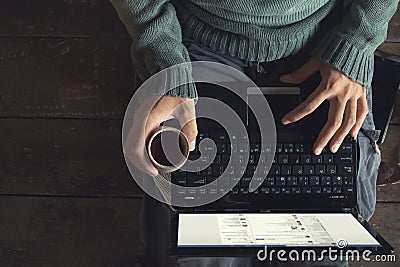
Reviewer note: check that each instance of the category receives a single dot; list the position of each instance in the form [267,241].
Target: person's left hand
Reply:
[347,103]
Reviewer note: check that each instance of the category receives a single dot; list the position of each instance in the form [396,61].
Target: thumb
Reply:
[303,73]
[190,131]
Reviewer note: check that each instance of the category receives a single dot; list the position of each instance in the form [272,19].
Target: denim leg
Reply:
[369,160]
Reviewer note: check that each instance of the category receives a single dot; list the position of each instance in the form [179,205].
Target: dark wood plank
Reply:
[65,77]
[75,18]
[63,157]
[391,158]
[393,48]
[385,221]
[396,110]
[394,27]
[50,232]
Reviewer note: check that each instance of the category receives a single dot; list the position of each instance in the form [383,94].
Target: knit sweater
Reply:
[256,30]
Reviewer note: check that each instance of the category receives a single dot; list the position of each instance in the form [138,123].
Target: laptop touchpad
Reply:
[281,100]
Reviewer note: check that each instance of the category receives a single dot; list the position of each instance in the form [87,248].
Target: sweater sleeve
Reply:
[349,46]
[157,41]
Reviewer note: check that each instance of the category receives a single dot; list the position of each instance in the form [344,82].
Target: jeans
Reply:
[155,216]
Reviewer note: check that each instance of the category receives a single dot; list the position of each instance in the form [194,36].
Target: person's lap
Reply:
[155,216]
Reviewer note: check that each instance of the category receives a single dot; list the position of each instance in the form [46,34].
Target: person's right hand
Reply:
[145,121]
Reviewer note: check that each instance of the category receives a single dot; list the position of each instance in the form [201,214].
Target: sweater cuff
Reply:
[355,63]
[178,81]
[172,81]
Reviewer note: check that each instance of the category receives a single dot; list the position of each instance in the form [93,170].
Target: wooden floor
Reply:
[66,197]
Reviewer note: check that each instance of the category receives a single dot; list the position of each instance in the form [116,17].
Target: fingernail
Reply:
[285,122]
[192,145]
[355,136]
[335,148]
[318,151]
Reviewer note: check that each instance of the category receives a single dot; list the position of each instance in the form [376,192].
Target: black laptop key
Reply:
[299,148]
[275,170]
[296,190]
[180,181]
[288,148]
[344,159]
[240,170]
[345,148]
[279,148]
[331,169]
[291,181]
[252,159]
[313,180]
[243,148]
[348,190]
[269,181]
[348,180]
[337,180]
[245,181]
[316,190]
[255,148]
[305,159]
[275,190]
[326,190]
[243,190]
[285,190]
[286,170]
[221,148]
[302,181]
[320,169]
[218,169]
[326,180]
[235,190]
[345,169]
[308,169]
[280,181]
[328,158]
[266,148]
[317,159]
[283,159]
[336,190]
[225,159]
[195,181]
[220,137]
[207,171]
[264,190]
[203,135]
[307,190]
[297,169]
[251,170]
[294,159]
[211,180]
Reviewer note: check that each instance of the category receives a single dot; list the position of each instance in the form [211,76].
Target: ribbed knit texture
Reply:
[256,31]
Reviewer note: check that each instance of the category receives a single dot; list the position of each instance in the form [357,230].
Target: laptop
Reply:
[303,200]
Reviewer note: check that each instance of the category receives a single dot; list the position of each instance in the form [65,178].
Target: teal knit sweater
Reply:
[256,30]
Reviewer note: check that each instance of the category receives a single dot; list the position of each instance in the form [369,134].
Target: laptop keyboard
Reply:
[295,169]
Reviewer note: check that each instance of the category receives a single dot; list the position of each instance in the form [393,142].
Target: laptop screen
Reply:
[279,229]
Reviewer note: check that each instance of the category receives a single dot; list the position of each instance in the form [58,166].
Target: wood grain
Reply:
[392,48]
[65,77]
[63,157]
[73,18]
[79,232]
[394,28]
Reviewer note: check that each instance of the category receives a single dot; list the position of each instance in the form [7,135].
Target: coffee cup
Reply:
[168,149]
